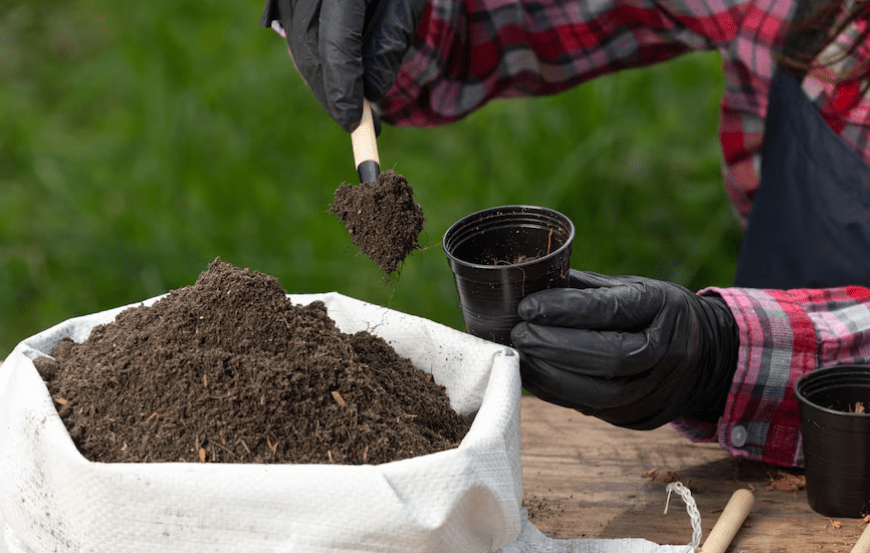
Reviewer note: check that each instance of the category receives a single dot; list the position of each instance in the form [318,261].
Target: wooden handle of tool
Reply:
[365,146]
[863,543]
[729,522]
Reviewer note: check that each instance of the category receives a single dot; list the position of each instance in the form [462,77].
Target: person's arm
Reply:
[468,53]
[783,335]
[633,351]
[720,364]
[429,62]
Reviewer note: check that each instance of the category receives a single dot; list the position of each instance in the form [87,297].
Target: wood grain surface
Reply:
[584,478]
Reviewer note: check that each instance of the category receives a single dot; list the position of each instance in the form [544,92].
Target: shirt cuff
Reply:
[778,344]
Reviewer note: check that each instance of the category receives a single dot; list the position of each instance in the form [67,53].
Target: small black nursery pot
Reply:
[836,438]
[500,255]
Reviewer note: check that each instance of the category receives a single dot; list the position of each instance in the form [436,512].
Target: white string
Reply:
[692,509]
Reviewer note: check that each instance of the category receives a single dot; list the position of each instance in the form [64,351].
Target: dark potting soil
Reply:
[381,218]
[230,370]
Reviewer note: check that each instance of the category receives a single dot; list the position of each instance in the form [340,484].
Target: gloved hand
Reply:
[345,49]
[632,351]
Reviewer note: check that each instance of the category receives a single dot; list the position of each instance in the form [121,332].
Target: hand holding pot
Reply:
[347,49]
[632,351]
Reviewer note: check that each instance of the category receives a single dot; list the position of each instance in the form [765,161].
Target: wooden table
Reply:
[584,478]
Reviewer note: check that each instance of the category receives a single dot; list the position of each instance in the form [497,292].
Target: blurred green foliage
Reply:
[140,141]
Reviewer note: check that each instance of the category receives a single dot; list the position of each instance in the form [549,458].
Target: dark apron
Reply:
[810,220]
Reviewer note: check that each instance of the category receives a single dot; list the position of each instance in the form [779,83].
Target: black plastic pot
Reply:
[500,255]
[836,442]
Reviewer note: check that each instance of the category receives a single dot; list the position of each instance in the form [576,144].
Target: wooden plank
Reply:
[584,478]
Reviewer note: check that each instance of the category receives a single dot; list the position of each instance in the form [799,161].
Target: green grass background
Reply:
[139,141]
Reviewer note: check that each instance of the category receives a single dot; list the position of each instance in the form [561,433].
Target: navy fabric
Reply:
[810,220]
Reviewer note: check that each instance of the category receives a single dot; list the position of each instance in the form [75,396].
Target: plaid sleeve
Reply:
[784,334]
[467,53]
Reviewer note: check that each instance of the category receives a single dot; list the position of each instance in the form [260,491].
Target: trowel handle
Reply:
[729,522]
[365,146]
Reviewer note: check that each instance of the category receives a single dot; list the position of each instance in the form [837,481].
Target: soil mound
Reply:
[381,218]
[230,370]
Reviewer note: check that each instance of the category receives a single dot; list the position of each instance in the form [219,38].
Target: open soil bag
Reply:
[464,499]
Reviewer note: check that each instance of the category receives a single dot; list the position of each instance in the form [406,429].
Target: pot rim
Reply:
[512,208]
[821,374]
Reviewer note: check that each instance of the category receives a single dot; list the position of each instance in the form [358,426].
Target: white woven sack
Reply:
[467,499]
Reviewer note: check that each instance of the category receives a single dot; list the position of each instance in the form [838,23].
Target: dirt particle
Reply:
[338,399]
[783,481]
[667,476]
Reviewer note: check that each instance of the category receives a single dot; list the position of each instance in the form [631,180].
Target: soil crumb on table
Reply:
[230,370]
[381,218]
[666,476]
[786,481]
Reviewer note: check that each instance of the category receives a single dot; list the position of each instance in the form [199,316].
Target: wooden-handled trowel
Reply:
[379,214]
[365,146]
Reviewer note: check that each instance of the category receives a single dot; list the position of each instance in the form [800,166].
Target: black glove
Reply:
[345,49]
[632,351]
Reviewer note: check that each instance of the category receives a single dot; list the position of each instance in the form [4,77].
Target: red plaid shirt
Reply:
[470,52]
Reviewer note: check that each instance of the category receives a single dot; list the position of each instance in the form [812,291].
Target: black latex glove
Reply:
[632,351]
[345,49]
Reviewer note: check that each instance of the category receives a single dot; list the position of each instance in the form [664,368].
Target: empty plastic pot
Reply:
[836,439]
[500,255]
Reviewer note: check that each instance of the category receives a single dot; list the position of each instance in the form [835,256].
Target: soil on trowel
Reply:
[381,218]
[230,370]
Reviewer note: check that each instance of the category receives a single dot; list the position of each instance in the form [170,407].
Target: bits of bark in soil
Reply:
[381,218]
[240,374]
